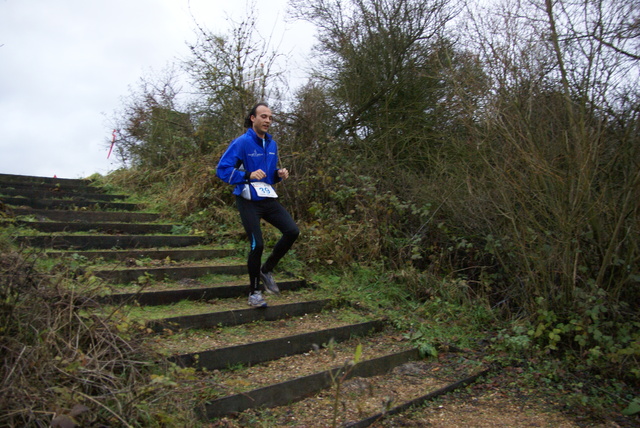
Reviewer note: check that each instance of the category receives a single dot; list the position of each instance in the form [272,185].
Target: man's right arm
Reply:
[228,169]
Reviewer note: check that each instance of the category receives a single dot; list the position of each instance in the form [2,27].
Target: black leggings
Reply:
[274,213]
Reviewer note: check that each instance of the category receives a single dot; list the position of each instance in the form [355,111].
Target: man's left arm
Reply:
[283,173]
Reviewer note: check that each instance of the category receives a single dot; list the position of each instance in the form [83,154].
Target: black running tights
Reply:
[274,213]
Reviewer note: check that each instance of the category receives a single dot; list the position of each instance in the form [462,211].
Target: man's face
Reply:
[262,120]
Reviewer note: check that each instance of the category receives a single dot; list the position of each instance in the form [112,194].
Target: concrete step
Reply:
[124,276]
[66,204]
[36,193]
[167,297]
[86,242]
[110,228]
[173,254]
[87,216]
[268,350]
[238,316]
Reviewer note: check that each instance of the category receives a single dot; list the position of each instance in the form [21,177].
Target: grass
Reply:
[29,218]
[435,314]
[182,308]
[167,261]
[155,285]
[437,323]
[189,307]
[74,356]
[433,324]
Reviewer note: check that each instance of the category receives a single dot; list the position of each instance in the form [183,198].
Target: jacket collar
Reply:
[254,136]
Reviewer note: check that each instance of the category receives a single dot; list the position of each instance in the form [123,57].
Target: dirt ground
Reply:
[468,411]
[491,410]
[500,402]
[496,401]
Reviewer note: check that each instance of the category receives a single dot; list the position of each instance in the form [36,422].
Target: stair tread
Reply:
[217,306]
[16,200]
[112,228]
[198,340]
[183,284]
[102,241]
[152,253]
[163,264]
[96,224]
[65,215]
[317,360]
[365,397]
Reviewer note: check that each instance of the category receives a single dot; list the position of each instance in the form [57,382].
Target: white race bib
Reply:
[264,190]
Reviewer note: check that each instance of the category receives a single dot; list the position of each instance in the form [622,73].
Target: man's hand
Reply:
[257,175]
[283,173]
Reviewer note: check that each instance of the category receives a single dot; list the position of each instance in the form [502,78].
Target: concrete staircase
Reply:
[290,363]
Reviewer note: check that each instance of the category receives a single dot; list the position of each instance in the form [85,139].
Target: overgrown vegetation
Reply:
[484,162]
[65,364]
[442,140]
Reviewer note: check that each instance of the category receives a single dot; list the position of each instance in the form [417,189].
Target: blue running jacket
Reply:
[246,154]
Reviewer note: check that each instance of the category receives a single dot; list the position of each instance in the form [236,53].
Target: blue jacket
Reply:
[246,154]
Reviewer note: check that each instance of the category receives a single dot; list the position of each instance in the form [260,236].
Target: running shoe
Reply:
[256,300]
[270,285]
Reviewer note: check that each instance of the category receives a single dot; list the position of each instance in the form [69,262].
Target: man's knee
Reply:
[293,234]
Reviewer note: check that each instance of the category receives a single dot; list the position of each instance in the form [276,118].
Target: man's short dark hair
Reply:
[247,121]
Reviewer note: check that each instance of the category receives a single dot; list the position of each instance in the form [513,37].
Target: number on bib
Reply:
[264,190]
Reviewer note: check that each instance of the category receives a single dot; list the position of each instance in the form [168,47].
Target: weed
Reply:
[181,229]
[61,354]
[339,376]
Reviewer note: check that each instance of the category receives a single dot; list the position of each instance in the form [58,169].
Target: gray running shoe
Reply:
[270,285]
[256,300]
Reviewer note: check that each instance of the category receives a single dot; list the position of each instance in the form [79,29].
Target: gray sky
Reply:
[65,66]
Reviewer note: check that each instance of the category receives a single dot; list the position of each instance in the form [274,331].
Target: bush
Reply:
[63,363]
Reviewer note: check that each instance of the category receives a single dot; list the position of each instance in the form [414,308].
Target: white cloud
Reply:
[64,65]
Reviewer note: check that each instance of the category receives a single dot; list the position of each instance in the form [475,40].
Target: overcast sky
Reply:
[65,66]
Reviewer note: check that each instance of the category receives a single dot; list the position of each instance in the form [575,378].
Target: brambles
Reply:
[61,360]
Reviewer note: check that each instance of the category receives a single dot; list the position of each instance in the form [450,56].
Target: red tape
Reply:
[113,141]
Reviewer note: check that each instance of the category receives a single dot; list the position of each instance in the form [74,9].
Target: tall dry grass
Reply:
[65,364]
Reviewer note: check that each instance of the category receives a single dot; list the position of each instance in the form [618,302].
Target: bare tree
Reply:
[387,66]
[230,73]
[560,145]
[154,127]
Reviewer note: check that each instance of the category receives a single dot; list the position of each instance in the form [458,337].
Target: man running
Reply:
[251,164]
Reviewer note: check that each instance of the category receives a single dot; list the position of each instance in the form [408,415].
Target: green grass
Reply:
[430,323]
[434,313]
